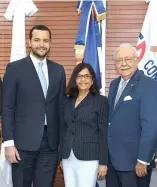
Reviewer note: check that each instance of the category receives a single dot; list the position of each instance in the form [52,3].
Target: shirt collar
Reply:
[121,80]
[36,61]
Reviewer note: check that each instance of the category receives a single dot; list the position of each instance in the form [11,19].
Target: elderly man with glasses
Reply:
[132,127]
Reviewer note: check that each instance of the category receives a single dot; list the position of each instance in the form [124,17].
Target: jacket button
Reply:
[109,124]
[72,121]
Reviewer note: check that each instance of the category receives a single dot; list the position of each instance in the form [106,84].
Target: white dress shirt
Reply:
[45,70]
[44,67]
[121,80]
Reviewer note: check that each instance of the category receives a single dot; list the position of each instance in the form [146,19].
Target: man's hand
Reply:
[102,171]
[141,169]
[12,154]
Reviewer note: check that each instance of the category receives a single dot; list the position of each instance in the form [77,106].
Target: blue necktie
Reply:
[120,91]
[42,78]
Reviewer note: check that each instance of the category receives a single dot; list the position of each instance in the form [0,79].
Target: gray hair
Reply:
[125,45]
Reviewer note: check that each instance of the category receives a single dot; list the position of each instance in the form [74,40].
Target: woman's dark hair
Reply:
[41,28]
[72,89]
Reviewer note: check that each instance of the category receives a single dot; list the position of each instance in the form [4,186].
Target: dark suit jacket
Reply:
[85,129]
[24,104]
[132,131]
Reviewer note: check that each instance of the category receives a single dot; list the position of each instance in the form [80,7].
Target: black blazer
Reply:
[24,104]
[85,129]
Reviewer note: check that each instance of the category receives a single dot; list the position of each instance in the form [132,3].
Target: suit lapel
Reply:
[129,87]
[52,79]
[85,101]
[49,77]
[33,75]
[113,92]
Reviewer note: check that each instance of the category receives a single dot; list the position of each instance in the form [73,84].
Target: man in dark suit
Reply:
[33,92]
[132,127]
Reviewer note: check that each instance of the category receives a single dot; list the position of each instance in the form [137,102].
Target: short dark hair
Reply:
[72,89]
[41,28]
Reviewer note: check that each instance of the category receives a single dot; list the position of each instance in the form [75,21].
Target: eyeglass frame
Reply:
[125,60]
[85,76]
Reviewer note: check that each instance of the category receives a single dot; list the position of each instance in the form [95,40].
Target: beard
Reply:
[38,55]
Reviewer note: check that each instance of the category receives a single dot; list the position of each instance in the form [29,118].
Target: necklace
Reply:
[79,99]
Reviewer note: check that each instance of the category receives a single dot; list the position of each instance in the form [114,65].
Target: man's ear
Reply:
[29,43]
[153,49]
[137,59]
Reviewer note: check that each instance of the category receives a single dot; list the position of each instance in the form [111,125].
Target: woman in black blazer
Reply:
[84,148]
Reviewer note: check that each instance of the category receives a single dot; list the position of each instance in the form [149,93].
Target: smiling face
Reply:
[40,43]
[84,80]
[126,63]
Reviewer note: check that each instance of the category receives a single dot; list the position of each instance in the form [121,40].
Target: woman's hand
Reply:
[102,171]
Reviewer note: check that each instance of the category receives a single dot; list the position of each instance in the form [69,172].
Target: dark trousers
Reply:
[116,178]
[37,167]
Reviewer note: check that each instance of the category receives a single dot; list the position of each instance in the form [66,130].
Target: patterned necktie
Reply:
[120,91]
[42,78]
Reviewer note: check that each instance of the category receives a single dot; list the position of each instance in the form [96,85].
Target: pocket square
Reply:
[127,98]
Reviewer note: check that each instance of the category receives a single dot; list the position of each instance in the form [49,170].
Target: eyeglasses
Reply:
[127,60]
[86,76]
